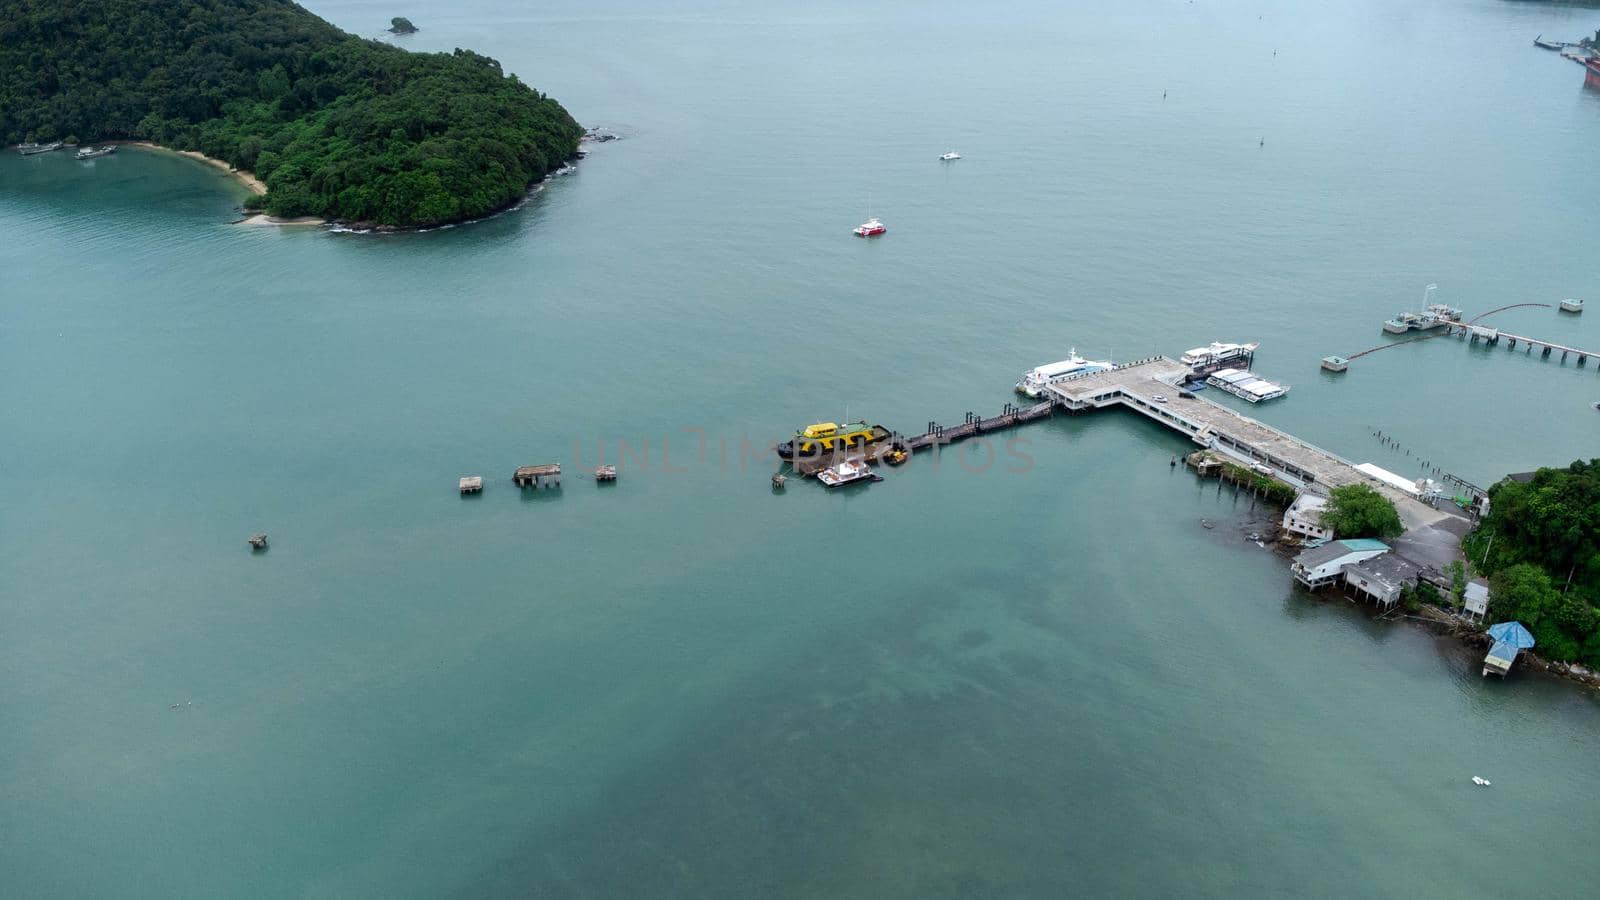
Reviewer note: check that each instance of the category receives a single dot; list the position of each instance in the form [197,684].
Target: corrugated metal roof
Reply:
[1332,550]
[1389,570]
[1502,652]
[1317,556]
[1364,544]
[1512,633]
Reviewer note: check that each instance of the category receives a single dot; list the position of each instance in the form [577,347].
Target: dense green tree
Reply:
[1548,524]
[402,25]
[1524,593]
[1358,511]
[336,126]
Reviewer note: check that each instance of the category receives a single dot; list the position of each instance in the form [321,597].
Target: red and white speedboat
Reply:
[870,228]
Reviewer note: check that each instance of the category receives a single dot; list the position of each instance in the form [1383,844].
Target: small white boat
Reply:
[95,152]
[847,472]
[949,156]
[1572,304]
[870,228]
[1480,782]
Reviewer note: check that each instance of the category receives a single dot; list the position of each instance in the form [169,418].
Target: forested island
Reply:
[1540,545]
[336,126]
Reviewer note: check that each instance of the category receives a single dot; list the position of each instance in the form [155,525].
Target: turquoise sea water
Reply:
[966,681]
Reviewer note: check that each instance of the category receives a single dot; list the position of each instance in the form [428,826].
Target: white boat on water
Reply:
[95,152]
[949,156]
[1217,353]
[870,228]
[1241,383]
[1572,304]
[1035,380]
[846,472]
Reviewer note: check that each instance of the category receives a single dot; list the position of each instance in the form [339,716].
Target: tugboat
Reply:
[94,152]
[848,472]
[870,228]
[829,436]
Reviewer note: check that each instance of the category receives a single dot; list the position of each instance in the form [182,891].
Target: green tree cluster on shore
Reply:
[336,126]
[1358,511]
[1540,544]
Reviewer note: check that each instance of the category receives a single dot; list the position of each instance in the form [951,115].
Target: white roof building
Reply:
[1304,517]
[1476,599]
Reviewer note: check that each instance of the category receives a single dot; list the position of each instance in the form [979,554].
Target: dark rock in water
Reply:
[401,25]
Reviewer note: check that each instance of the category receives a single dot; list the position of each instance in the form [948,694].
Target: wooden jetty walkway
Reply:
[1009,417]
[936,435]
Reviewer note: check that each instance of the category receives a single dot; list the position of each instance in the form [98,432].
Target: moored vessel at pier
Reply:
[847,472]
[829,436]
[1217,353]
[1433,315]
[1244,384]
[1034,380]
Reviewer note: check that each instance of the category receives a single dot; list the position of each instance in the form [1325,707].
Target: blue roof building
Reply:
[1510,638]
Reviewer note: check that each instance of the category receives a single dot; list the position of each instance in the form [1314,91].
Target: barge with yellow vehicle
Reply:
[827,437]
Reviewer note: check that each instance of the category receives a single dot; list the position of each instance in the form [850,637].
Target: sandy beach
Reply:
[264,219]
[245,178]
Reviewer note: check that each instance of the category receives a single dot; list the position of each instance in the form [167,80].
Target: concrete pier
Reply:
[1136,386]
[1493,336]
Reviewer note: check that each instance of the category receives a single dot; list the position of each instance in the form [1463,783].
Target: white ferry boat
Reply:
[1217,353]
[1034,381]
[1241,383]
[847,472]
